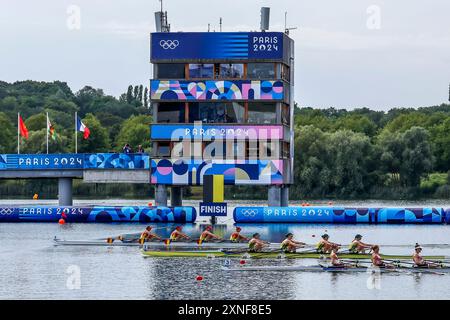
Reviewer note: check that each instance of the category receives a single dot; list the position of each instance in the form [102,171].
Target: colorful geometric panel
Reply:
[191,172]
[116,161]
[216,90]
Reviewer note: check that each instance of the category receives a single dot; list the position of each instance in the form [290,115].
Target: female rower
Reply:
[147,235]
[325,246]
[256,244]
[178,235]
[207,235]
[419,261]
[237,237]
[357,246]
[377,261]
[289,245]
[336,262]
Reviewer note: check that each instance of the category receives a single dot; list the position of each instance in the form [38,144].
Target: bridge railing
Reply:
[75,161]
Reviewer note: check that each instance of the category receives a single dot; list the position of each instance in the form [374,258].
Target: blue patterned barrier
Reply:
[341,215]
[78,161]
[98,214]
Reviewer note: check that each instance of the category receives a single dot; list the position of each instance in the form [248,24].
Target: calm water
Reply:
[32,268]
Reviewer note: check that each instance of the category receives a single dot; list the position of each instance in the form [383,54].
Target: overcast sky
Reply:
[349,53]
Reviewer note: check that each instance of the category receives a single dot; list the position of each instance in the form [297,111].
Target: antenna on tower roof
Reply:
[220,24]
[162,25]
[286,29]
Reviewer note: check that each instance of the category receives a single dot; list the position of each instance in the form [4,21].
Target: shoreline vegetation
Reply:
[402,154]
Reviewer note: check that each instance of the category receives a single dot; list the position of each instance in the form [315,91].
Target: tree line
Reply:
[362,153]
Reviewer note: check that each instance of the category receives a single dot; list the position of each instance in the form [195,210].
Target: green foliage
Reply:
[135,131]
[7,135]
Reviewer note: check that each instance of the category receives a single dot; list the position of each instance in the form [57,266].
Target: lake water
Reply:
[32,268]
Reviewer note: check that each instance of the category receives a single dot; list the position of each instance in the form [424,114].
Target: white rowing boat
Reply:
[319,268]
[156,244]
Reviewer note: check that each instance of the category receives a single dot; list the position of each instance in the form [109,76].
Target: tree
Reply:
[139,99]
[146,97]
[7,135]
[441,141]
[130,94]
[417,158]
[135,131]
[36,122]
[351,154]
[357,123]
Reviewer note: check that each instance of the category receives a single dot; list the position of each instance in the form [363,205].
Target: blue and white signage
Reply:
[213,209]
[216,45]
[41,161]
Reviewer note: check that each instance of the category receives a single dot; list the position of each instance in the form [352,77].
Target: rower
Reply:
[419,261]
[177,234]
[147,235]
[256,244]
[325,246]
[377,261]
[237,237]
[357,246]
[207,235]
[289,245]
[336,262]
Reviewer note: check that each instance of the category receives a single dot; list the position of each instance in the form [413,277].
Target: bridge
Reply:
[92,168]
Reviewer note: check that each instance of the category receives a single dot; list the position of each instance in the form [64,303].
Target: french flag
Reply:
[81,127]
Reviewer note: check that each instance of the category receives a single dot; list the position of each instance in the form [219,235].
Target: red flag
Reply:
[23,128]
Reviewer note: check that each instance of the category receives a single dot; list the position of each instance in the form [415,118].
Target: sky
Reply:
[349,53]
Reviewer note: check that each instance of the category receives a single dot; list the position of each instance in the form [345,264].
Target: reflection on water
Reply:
[33,268]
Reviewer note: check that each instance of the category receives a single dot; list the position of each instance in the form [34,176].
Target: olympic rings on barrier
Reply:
[169,44]
[249,212]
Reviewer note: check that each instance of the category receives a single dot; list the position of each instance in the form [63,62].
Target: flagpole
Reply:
[76,140]
[18,132]
[48,129]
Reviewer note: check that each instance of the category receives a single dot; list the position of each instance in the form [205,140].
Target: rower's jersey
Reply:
[251,245]
[174,235]
[376,259]
[353,246]
[320,246]
[204,236]
[234,236]
[417,257]
[284,245]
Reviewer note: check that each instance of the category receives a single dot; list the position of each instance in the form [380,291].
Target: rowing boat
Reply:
[157,244]
[266,255]
[336,269]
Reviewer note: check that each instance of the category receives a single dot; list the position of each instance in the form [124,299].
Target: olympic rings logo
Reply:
[169,44]
[249,212]
[6,211]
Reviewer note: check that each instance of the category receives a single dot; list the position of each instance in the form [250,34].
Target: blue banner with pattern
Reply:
[339,215]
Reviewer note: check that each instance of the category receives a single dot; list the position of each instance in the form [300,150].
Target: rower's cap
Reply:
[325,236]
[358,236]
[179,227]
[417,247]
[148,228]
[255,235]
[289,234]
[208,228]
[238,228]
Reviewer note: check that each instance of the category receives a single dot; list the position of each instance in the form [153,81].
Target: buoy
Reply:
[199,278]
[63,215]
[36,196]
[313,235]
[330,203]
[62,221]
[150,204]
[242,262]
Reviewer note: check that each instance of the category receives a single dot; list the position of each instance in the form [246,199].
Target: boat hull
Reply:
[267,255]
